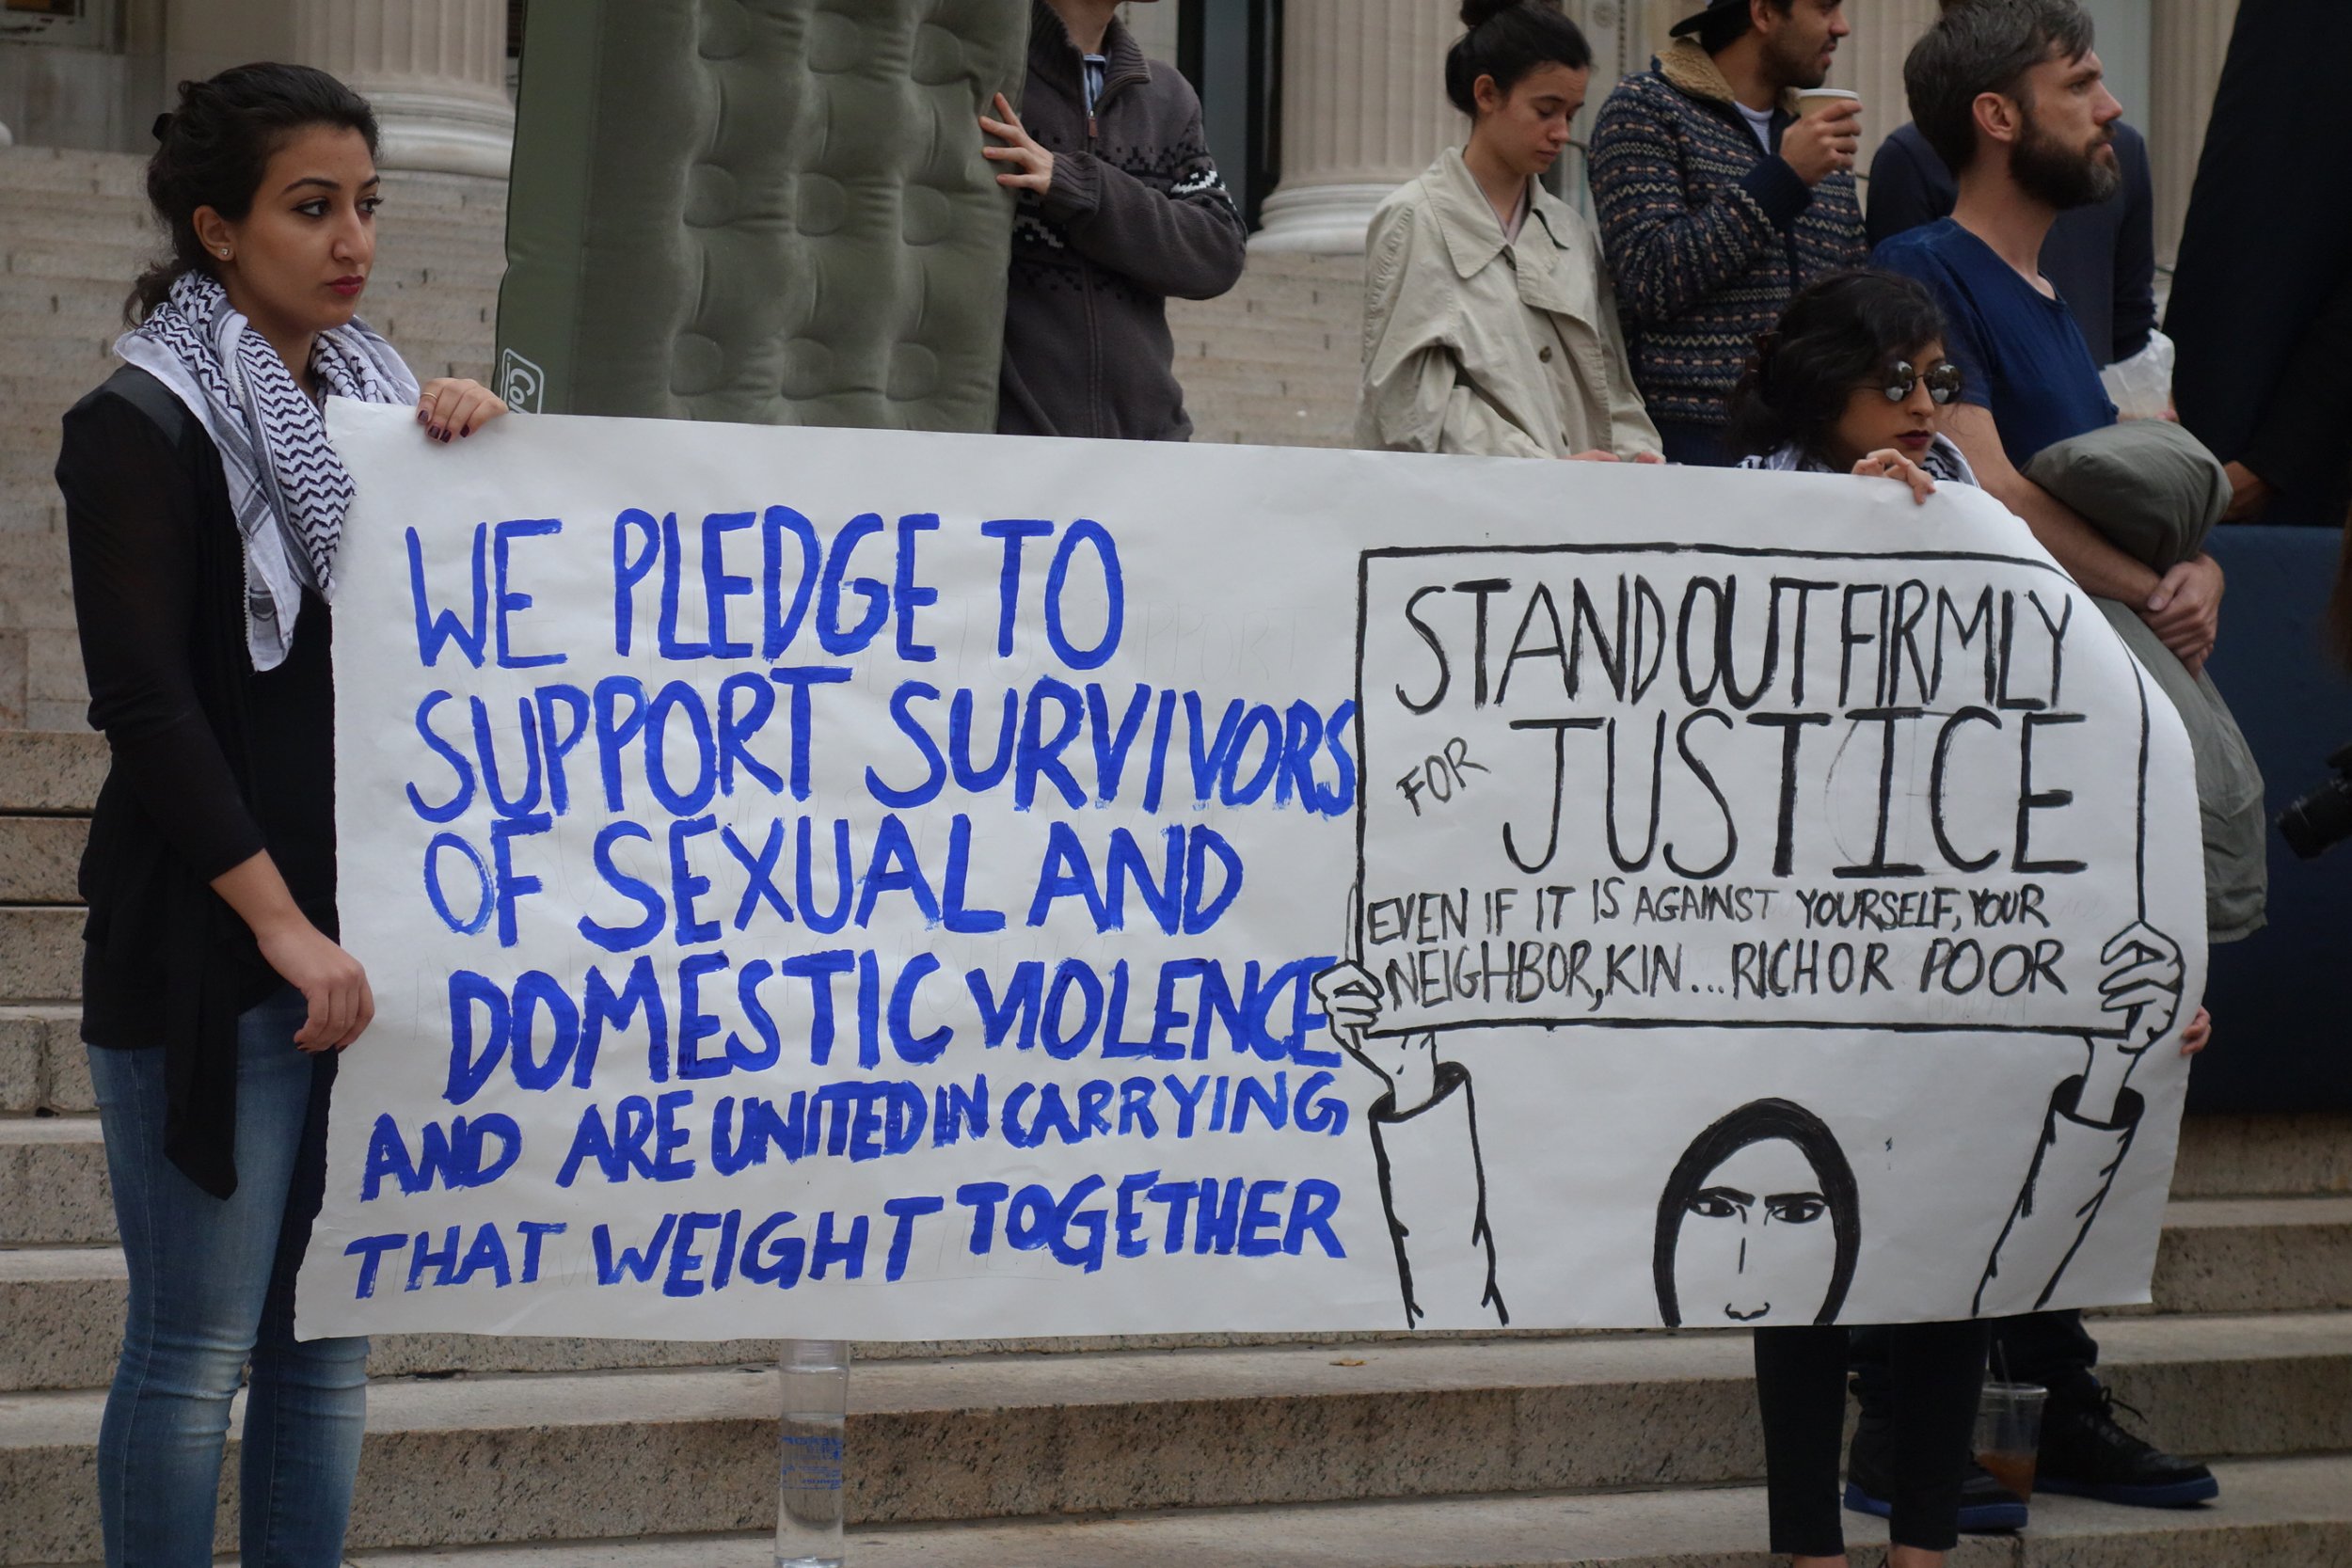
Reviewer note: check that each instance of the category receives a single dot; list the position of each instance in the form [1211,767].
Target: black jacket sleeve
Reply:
[2136,259]
[133,512]
[2301,431]
[1904,192]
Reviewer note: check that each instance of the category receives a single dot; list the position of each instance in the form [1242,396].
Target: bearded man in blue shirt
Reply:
[2010,96]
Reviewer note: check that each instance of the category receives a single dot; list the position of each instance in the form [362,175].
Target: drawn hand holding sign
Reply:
[2092,1118]
[1761,1220]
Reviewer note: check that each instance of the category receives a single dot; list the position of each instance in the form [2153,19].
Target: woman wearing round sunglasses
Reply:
[1850,382]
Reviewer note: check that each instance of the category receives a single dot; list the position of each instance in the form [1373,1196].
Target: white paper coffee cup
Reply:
[1815,99]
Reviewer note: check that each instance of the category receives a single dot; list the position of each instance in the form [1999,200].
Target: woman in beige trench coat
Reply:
[1489,323]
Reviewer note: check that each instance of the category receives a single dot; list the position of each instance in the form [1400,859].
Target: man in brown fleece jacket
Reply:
[1120,206]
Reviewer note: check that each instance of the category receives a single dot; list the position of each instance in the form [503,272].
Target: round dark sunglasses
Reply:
[1902,377]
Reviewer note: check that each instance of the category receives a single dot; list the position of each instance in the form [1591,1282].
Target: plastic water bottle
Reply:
[808,1490]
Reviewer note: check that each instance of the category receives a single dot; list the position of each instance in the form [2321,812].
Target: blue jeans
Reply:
[211,1284]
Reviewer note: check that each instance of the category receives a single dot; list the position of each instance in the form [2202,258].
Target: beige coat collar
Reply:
[1690,70]
[1473,236]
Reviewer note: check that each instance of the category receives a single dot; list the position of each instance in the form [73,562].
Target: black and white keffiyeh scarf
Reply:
[1943,462]
[289,489]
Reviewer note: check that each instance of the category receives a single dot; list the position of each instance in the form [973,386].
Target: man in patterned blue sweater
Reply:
[1717,202]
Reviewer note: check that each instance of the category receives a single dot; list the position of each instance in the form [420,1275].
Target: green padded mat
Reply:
[774,212]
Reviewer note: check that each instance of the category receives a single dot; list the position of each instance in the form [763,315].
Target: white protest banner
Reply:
[848,883]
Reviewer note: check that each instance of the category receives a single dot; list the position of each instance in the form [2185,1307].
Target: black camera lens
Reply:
[2321,819]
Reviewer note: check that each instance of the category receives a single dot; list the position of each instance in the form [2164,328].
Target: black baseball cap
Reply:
[1690,24]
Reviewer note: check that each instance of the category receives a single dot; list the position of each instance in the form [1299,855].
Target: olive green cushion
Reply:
[762,211]
[2148,484]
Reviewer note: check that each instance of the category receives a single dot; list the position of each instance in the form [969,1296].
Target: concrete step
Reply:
[46,343]
[53,1182]
[66,1304]
[1241,366]
[1279,400]
[82,299]
[2281,1513]
[40,858]
[26,495]
[1335,373]
[2255,1156]
[463,1462]
[30,172]
[461,287]
[1232,314]
[45,389]
[51,248]
[40,958]
[58,375]
[1219,432]
[24,169]
[42,714]
[1223,328]
[1308,280]
[2254,1255]
[53,773]
[106,215]
[42,1070]
[412,196]
[2245,1255]
[68,236]
[1255,420]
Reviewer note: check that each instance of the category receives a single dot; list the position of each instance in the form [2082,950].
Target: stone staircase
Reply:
[1211,1451]
[1633,1450]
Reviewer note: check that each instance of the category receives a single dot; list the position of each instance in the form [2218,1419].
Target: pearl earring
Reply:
[224,256]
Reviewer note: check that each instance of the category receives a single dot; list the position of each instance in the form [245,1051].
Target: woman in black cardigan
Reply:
[203,507]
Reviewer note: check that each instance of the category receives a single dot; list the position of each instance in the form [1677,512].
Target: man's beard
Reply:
[2059,176]
[1795,69]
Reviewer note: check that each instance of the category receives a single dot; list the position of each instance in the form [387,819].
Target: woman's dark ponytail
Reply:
[212,151]
[1507,39]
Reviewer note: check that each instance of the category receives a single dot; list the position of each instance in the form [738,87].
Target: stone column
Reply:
[2189,38]
[1870,62]
[435,70]
[1154,27]
[1363,110]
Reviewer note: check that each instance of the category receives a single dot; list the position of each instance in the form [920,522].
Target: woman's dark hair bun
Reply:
[1477,13]
[1507,39]
[213,150]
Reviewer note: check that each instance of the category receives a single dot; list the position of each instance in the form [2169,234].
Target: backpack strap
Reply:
[159,402]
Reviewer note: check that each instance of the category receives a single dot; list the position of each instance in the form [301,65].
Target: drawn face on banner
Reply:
[1759,1224]
[1754,1238]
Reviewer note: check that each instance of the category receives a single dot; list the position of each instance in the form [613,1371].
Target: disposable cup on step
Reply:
[2009,1433]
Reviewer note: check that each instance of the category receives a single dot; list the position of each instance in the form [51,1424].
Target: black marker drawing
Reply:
[1424,1140]
[2088,1129]
[1760,1222]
